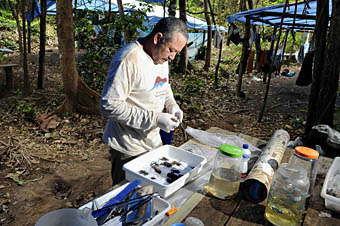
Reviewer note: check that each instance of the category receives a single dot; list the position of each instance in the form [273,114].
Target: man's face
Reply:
[168,50]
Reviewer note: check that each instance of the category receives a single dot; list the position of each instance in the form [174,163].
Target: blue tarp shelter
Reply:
[153,16]
[157,13]
[84,4]
[271,16]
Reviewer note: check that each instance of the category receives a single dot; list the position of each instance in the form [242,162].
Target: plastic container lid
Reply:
[245,146]
[306,152]
[230,150]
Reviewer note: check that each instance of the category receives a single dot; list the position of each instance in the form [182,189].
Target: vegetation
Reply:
[7,30]
[99,46]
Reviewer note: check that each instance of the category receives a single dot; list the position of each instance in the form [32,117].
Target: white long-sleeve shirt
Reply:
[135,91]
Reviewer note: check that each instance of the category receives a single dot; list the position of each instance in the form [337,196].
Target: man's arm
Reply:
[113,99]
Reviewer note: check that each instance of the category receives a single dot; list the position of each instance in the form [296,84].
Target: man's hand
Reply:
[167,122]
[176,111]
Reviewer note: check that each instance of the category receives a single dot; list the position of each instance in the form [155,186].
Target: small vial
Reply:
[245,158]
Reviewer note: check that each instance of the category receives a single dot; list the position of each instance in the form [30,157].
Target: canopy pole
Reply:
[291,48]
[244,58]
[272,63]
[218,62]
[164,6]
[270,52]
[293,33]
[284,49]
[285,42]
[221,44]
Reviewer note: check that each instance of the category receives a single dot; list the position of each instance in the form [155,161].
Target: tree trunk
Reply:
[326,67]
[41,72]
[319,56]
[208,52]
[250,4]
[110,12]
[257,48]
[121,15]
[183,64]
[244,58]
[172,8]
[15,13]
[27,79]
[29,33]
[329,85]
[219,46]
[79,97]
[29,37]
[243,5]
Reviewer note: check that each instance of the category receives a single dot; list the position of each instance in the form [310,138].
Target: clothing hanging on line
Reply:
[305,75]
[250,64]
[233,35]
[306,47]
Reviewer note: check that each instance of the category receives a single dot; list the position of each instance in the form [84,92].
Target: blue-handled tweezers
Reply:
[102,213]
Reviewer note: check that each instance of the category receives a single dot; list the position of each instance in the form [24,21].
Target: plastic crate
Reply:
[331,202]
[188,164]
[159,205]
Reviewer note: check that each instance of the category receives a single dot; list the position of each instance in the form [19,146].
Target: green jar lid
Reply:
[230,150]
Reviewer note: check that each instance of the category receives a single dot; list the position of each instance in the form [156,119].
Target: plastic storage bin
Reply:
[331,202]
[184,163]
[159,205]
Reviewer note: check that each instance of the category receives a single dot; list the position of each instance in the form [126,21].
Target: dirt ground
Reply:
[69,164]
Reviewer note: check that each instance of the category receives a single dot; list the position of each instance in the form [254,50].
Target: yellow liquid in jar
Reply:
[224,183]
[279,214]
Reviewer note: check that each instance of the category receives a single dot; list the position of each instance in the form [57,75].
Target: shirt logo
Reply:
[159,82]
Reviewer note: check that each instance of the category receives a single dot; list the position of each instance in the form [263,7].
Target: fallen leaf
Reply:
[288,127]
[15,177]
[48,121]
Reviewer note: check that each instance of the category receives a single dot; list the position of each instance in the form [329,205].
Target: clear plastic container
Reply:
[287,196]
[225,177]
[308,159]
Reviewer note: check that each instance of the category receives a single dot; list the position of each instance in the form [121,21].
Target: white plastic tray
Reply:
[331,202]
[159,205]
[190,164]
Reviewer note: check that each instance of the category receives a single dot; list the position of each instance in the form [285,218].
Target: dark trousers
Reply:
[118,159]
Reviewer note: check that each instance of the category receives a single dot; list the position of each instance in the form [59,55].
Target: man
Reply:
[137,98]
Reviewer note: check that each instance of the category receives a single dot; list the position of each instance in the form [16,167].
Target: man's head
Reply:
[168,38]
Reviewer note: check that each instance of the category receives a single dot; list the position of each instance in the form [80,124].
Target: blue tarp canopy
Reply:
[85,4]
[154,16]
[271,16]
[157,13]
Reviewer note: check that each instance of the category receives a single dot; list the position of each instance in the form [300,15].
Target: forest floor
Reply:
[68,165]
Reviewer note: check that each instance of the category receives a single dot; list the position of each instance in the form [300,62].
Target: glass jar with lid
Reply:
[308,159]
[287,196]
[226,173]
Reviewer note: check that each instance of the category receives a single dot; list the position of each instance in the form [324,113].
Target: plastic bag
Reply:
[333,138]
[216,139]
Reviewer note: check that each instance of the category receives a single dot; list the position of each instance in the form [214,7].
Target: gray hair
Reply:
[168,26]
